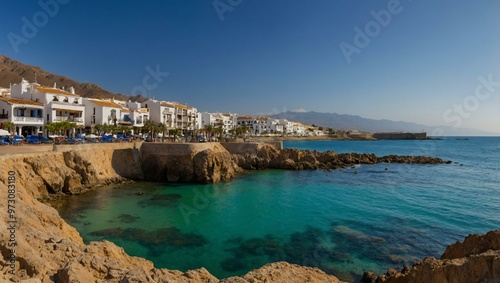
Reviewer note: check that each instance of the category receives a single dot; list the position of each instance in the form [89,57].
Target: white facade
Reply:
[99,112]
[299,129]
[59,105]
[261,125]
[226,121]
[172,115]
[25,114]
[138,115]
[288,127]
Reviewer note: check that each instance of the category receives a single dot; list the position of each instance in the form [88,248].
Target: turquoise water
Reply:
[385,216]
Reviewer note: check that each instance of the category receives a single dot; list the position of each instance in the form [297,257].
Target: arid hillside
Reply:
[12,71]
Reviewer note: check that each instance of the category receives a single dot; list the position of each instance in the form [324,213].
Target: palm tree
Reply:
[219,131]
[209,129]
[158,128]
[136,130]
[51,128]
[9,126]
[148,128]
[98,128]
[243,131]
[65,126]
[176,132]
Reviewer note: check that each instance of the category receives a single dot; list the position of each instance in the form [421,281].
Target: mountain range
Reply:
[351,122]
[12,71]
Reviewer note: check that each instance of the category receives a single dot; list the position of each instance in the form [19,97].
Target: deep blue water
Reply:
[344,223]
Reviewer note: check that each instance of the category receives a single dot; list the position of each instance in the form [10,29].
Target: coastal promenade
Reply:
[25,148]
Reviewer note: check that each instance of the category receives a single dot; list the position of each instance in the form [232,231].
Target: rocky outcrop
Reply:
[477,259]
[267,156]
[200,163]
[473,244]
[283,272]
[37,245]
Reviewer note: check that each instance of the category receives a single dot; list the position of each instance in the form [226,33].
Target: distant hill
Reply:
[349,122]
[12,71]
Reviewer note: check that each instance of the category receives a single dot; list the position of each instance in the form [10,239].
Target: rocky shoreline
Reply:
[41,247]
[476,259]
[268,156]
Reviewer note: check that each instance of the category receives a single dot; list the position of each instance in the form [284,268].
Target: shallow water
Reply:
[344,223]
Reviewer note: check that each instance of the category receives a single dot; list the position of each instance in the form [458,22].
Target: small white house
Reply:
[25,114]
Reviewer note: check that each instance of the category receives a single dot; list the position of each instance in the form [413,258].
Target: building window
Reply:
[55,98]
[75,101]
[65,99]
[94,111]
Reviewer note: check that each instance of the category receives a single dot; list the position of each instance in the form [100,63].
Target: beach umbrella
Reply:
[91,136]
[4,132]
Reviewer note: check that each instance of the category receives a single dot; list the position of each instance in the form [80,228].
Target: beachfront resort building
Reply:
[114,112]
[58,104]
[226,121]
[100,112]
[25,114]
[138,114]
[261,125]
[173,115]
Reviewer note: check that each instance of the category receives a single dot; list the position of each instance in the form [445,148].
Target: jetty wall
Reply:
[400,136]
[249,147]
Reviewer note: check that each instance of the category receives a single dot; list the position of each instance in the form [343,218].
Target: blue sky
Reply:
[423,65]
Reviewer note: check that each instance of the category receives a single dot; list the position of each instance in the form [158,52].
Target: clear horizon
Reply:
[434,64]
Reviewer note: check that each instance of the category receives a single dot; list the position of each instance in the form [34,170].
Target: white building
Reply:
[226,121]
[100,111]
[288,127]
[59,104]
[114,112]
[261,125]
[138,114]
[299,129]
[172,114]
[253,123]
[25,114]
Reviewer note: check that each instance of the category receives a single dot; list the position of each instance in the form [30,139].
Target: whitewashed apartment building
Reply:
[227,121]
[261,125]
[172,114]
[25,114]
[59,104]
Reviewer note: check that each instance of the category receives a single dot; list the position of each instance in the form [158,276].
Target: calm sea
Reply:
[384,216]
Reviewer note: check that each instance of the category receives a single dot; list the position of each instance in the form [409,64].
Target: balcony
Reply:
[68,118]
[28,119]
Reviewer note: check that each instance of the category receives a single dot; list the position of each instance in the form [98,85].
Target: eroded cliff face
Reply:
[200,163]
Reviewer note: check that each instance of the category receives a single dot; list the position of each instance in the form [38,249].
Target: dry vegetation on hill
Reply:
[12,71]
